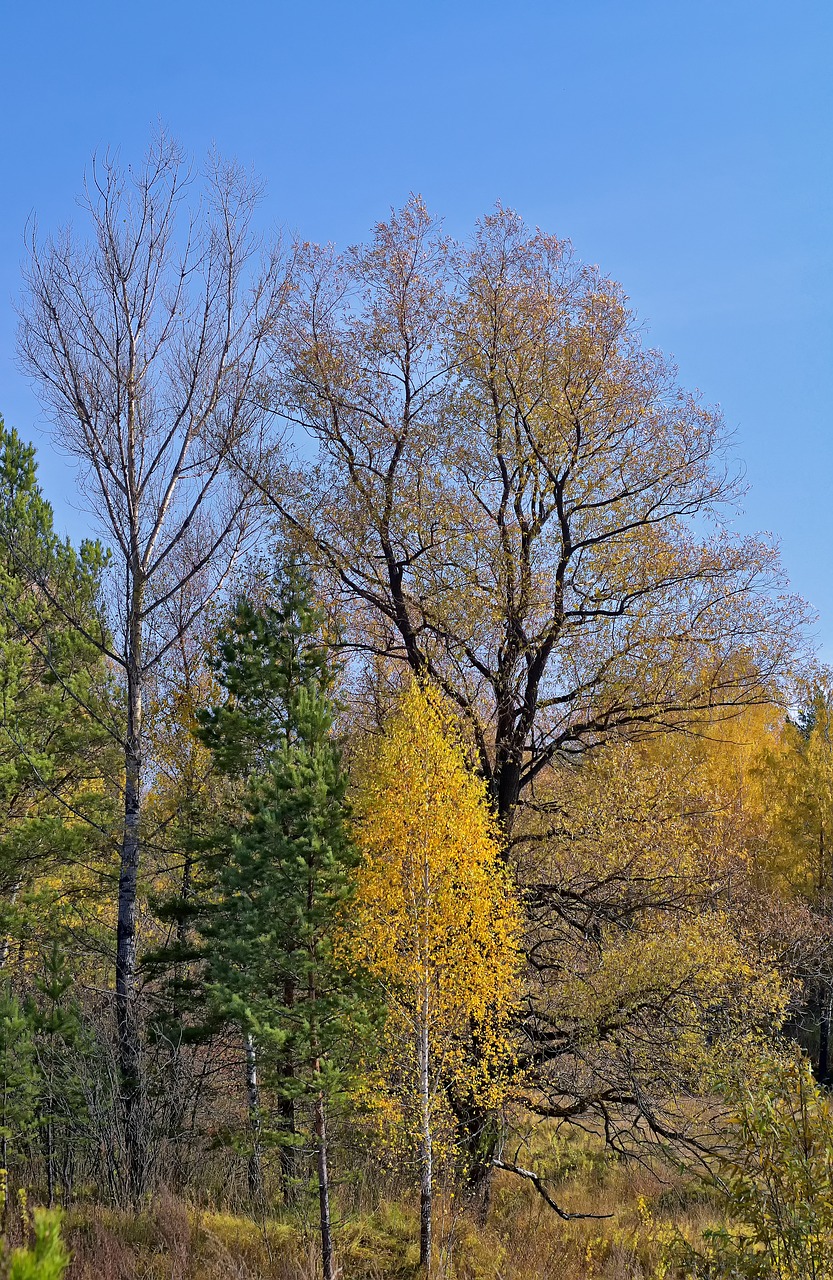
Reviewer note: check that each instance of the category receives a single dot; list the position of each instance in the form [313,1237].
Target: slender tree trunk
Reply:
[68,1173]
[823,1064]
[426,1189]
[288,1151]
[185,896]
[50,1162]
[319,1112]
[253,1098]
[126,1011]
[323,1184]
[179,1100]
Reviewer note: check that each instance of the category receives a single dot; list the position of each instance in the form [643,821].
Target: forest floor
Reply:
[523,1239]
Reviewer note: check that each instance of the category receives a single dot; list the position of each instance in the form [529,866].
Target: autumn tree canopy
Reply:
[467,797]
[513,495]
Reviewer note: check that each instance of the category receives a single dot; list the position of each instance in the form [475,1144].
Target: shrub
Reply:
[47,1258]
[777,1181]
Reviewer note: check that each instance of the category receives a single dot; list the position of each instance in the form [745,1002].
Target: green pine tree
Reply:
[18,1078]
[55,754]
[288,873]
[60,1045]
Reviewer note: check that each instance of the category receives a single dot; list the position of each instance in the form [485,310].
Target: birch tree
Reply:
[434,920]
[148,339]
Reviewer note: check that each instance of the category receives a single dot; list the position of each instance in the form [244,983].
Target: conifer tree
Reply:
[58,1040]
[55,806]
[289,870]
[18,1077]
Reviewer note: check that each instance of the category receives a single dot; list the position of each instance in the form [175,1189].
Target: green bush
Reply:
[776,1183]
[46,1258]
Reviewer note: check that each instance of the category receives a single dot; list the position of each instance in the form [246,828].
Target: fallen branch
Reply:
[542,1191]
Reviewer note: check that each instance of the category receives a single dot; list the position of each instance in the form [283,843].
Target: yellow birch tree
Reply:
[434,920]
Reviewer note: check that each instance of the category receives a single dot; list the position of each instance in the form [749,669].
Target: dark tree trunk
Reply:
[68,1173]
[255,1168]
[478,1136]
[129,1049]
[50,1164]
[823,1062]
[286,1106]
[323,1187]
[176,1065]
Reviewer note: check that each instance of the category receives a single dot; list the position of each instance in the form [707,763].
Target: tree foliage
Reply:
[777,1179]
[56,778]
[556,850]
[288,871]
[434,919]
[640,963]
[514,496]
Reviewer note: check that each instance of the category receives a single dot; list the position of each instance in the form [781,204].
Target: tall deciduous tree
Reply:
[149,341]
[514,496]
[434,919]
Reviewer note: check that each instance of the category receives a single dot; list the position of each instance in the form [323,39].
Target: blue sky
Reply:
[684,145]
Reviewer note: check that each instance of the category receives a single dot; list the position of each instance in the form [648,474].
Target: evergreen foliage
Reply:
[56,778]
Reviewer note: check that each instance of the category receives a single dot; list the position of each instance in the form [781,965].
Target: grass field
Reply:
[522,1239]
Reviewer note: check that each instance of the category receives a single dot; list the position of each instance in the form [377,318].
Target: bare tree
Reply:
[149,341]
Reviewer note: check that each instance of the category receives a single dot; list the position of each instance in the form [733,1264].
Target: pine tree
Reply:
[290,870]
[55,759]
[18,1078]
[57,791]
[58,1042]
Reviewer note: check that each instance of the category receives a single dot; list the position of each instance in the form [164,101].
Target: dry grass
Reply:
[522,1240]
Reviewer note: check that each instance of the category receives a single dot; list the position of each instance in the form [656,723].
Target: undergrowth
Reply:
[522,1239]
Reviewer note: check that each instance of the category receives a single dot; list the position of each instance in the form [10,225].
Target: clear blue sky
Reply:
[684,145]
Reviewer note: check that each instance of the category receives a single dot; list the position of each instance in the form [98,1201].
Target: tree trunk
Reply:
[126,1012]
[255,1169]
[478,1137]
[288,1150]
[425,1145]
[68,1172]
[823,1063]
[176,1064]
[50,1163]
[323,1185]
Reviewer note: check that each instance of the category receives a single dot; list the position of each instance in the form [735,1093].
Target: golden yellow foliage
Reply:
[640,958]
[434,919]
